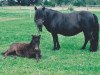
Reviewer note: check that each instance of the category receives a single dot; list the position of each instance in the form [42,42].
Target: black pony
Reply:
[69,24]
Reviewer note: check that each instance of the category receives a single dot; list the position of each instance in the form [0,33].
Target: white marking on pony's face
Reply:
[39,24]
[39,17]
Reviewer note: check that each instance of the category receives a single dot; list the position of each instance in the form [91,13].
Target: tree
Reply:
[11,2]
[79,2]
[91,2]
[19,2]
[25,2]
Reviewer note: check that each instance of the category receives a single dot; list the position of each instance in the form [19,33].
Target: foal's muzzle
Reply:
[38,55]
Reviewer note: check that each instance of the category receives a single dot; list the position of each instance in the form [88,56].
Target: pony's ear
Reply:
[35,8]
[43,8]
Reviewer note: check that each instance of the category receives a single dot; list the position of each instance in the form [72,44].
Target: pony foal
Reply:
[25,50]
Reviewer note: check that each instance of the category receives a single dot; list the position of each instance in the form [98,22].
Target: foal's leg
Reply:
[18,53]
[56,42]
[7,53]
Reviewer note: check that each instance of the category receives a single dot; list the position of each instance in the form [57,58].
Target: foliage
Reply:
[54,2]
[11,2]
[92,2]
[25,2]
[49,3]
[79,3]
[0,3]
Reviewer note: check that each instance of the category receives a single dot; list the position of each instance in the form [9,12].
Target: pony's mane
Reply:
[51,10]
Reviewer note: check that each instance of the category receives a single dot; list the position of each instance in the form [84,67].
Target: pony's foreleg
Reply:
[56,42]
[58,45]
[86,41]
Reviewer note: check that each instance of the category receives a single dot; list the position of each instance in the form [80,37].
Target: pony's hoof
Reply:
[82,48]
[58,48]
[92,50]
[55,49]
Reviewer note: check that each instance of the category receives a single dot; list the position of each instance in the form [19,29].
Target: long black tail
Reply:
[95,40]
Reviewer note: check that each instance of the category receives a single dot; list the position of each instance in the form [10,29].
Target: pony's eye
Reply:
[43,21]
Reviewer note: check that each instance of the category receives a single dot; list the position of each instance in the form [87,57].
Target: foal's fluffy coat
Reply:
[25,49]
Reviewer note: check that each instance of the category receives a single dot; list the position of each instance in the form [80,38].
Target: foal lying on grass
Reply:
[25,50]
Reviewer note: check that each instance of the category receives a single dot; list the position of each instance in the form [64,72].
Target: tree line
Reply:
[50,2]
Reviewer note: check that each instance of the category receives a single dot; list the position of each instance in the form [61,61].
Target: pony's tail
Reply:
[95,40]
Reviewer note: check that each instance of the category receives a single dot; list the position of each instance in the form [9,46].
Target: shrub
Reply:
[11,2]
[47,3]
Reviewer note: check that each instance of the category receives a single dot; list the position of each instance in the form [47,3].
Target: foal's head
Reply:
[35,45]
[35,41]
[39,17]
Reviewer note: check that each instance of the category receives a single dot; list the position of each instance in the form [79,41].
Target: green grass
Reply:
[69,60]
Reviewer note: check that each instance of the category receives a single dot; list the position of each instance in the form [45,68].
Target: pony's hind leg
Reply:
[94,43]
[95,36]
[88,36]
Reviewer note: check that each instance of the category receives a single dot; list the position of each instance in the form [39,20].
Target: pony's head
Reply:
[39,17]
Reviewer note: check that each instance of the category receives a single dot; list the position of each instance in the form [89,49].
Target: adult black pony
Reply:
[69,24]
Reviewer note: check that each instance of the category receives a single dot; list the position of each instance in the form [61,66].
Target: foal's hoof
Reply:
[15,57]
[4,57]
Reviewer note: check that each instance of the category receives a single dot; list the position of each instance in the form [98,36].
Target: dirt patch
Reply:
[3,19]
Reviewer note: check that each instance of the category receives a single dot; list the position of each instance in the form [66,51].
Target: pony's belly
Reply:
[71,33]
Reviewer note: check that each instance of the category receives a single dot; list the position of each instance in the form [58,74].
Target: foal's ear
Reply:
[39,36]
[35,8]
[32,35]
[43,8]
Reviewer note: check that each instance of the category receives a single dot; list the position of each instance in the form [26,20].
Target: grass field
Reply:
[17,26]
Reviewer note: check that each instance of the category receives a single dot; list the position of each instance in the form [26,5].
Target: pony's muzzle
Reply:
[40,28]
